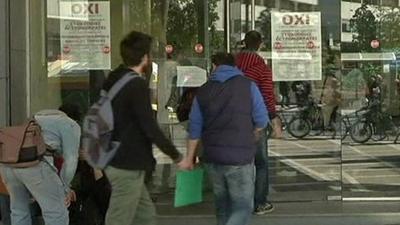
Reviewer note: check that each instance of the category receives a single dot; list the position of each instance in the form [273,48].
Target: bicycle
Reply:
[310,118]
[346,121]
[281,116]
[374,124]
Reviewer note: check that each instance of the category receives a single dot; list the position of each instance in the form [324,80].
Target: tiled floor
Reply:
[301,213]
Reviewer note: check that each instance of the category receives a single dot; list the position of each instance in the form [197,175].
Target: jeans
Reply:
[262,178]
[130,202]
[5,209]
[233,188]
[40,183]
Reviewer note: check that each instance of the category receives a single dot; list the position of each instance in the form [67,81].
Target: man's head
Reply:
[222,58]
[252,40]
[135,51]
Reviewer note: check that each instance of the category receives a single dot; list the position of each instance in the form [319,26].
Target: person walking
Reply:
[136,129]
[227,115]
[254,67]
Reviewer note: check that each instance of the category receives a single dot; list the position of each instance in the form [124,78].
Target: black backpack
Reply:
[185,104]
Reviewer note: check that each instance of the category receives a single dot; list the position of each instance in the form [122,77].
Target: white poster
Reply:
[296,46]
[191,76]
[85,35]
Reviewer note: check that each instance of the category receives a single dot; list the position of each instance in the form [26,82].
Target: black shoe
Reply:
[264,209]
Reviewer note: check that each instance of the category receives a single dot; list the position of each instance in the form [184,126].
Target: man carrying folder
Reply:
[227,115]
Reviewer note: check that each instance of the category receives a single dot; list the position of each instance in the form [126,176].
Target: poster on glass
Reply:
[296,46]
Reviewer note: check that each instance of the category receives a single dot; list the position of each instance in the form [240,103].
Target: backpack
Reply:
[22,146]
[98,140]
[185,104]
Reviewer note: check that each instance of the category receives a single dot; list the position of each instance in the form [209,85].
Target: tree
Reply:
[381,23]
[184,22]
[365,24]
[216,37]
[389,23]
[264,22]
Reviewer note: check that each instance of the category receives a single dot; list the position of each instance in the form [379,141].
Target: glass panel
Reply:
[237,22]
[305,164]
[180,24]
[183,31]
[371,104]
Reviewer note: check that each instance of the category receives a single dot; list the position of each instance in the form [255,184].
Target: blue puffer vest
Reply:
[228,137]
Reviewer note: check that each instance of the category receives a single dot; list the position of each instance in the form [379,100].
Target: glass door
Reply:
[371,100]
[302,46]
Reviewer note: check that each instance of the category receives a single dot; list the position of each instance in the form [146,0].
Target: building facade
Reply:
[49,56]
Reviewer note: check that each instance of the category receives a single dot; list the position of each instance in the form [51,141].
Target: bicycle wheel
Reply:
[299,127]
[361,132]
[344,130]
[396,140]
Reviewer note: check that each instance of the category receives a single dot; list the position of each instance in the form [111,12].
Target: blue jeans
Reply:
[262,178]
[233,188]
[41,183]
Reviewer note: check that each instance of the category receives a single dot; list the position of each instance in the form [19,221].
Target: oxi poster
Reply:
[85,35]
[296,46]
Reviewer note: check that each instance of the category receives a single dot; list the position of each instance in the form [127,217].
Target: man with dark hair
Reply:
[136,129]
[252,40]
[254,67]
[227,114]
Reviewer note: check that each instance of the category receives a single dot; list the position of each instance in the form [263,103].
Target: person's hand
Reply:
[277,128]
[98,174]
[186,164]
[71,197]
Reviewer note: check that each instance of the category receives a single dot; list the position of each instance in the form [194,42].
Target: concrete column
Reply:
[42,92]
[18,59]
[27,57]
[4,65]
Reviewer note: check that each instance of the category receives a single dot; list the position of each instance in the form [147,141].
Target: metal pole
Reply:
[253,14]
[206,35]
[228,25]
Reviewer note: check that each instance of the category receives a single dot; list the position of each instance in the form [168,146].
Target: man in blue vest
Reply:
[227,115]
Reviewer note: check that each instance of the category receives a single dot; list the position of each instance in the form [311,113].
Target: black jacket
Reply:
[135,126]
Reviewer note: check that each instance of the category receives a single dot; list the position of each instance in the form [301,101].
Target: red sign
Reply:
[199,48]
[310,44]
[169,49]
[66,49]
[374,43]
[278,45]
[106,49]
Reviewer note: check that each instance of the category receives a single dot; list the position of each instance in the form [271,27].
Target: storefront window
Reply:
[83,36]
[335,68]
[370,102]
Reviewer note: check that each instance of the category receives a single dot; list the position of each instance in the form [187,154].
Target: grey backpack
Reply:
[98,127]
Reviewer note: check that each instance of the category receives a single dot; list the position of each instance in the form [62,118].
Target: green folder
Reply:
[189,187]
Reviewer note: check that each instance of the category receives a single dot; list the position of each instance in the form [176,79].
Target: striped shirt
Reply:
[254,67]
